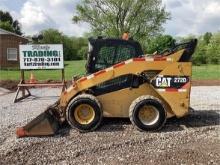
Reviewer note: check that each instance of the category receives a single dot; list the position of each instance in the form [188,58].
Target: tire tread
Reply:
[135,102]
[84,96]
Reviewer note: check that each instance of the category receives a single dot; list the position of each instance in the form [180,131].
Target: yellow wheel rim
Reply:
[84,114]
[148,115]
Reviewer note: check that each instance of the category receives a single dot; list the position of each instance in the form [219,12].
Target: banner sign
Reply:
[45,56]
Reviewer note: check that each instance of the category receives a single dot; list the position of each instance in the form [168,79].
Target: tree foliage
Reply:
[213,49]
[159,44]
[71,45]
[207,36]
[142,18]
[200,55]
[8,23]
[208,49]
[6,26]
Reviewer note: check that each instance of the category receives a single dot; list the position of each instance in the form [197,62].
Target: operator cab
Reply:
[105,52]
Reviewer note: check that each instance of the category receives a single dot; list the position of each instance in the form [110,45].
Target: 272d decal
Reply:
[170,81]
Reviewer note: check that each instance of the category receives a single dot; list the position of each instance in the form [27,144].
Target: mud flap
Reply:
[45,124]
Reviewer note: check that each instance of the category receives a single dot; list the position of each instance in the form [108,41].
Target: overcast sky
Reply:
[188,16]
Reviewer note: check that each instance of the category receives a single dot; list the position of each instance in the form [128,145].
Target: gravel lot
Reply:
[194,139]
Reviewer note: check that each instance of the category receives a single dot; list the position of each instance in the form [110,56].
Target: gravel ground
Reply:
[191,140]
[4,91]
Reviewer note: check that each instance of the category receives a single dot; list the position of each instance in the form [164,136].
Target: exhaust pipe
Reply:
[45,124]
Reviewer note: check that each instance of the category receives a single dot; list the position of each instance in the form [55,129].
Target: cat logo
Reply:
[163,81]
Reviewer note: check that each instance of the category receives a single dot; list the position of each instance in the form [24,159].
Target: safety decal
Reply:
[170,83]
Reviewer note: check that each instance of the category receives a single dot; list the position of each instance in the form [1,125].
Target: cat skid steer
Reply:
[122,82]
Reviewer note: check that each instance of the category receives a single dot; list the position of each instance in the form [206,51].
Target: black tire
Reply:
[88,100]
[157,106]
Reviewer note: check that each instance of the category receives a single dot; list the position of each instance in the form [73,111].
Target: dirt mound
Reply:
[206,82]
[9,84]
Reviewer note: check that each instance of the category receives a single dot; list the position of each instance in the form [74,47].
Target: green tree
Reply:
[51,36]
[159,43]
[142,18]
[70,52]
[81,45]
[82,52]
[8,23]
[200,55]
[213,49]
[207,36]
[6,16]
[208,49]
[73,48]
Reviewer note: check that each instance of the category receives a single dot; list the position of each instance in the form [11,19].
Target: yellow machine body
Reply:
[116,104]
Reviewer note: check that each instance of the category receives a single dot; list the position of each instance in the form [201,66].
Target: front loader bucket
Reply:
[43,125]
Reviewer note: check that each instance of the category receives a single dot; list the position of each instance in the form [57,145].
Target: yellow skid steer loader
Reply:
[122,82]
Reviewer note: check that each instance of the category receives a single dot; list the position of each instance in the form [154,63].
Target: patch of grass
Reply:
[204,72]
[71,68]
